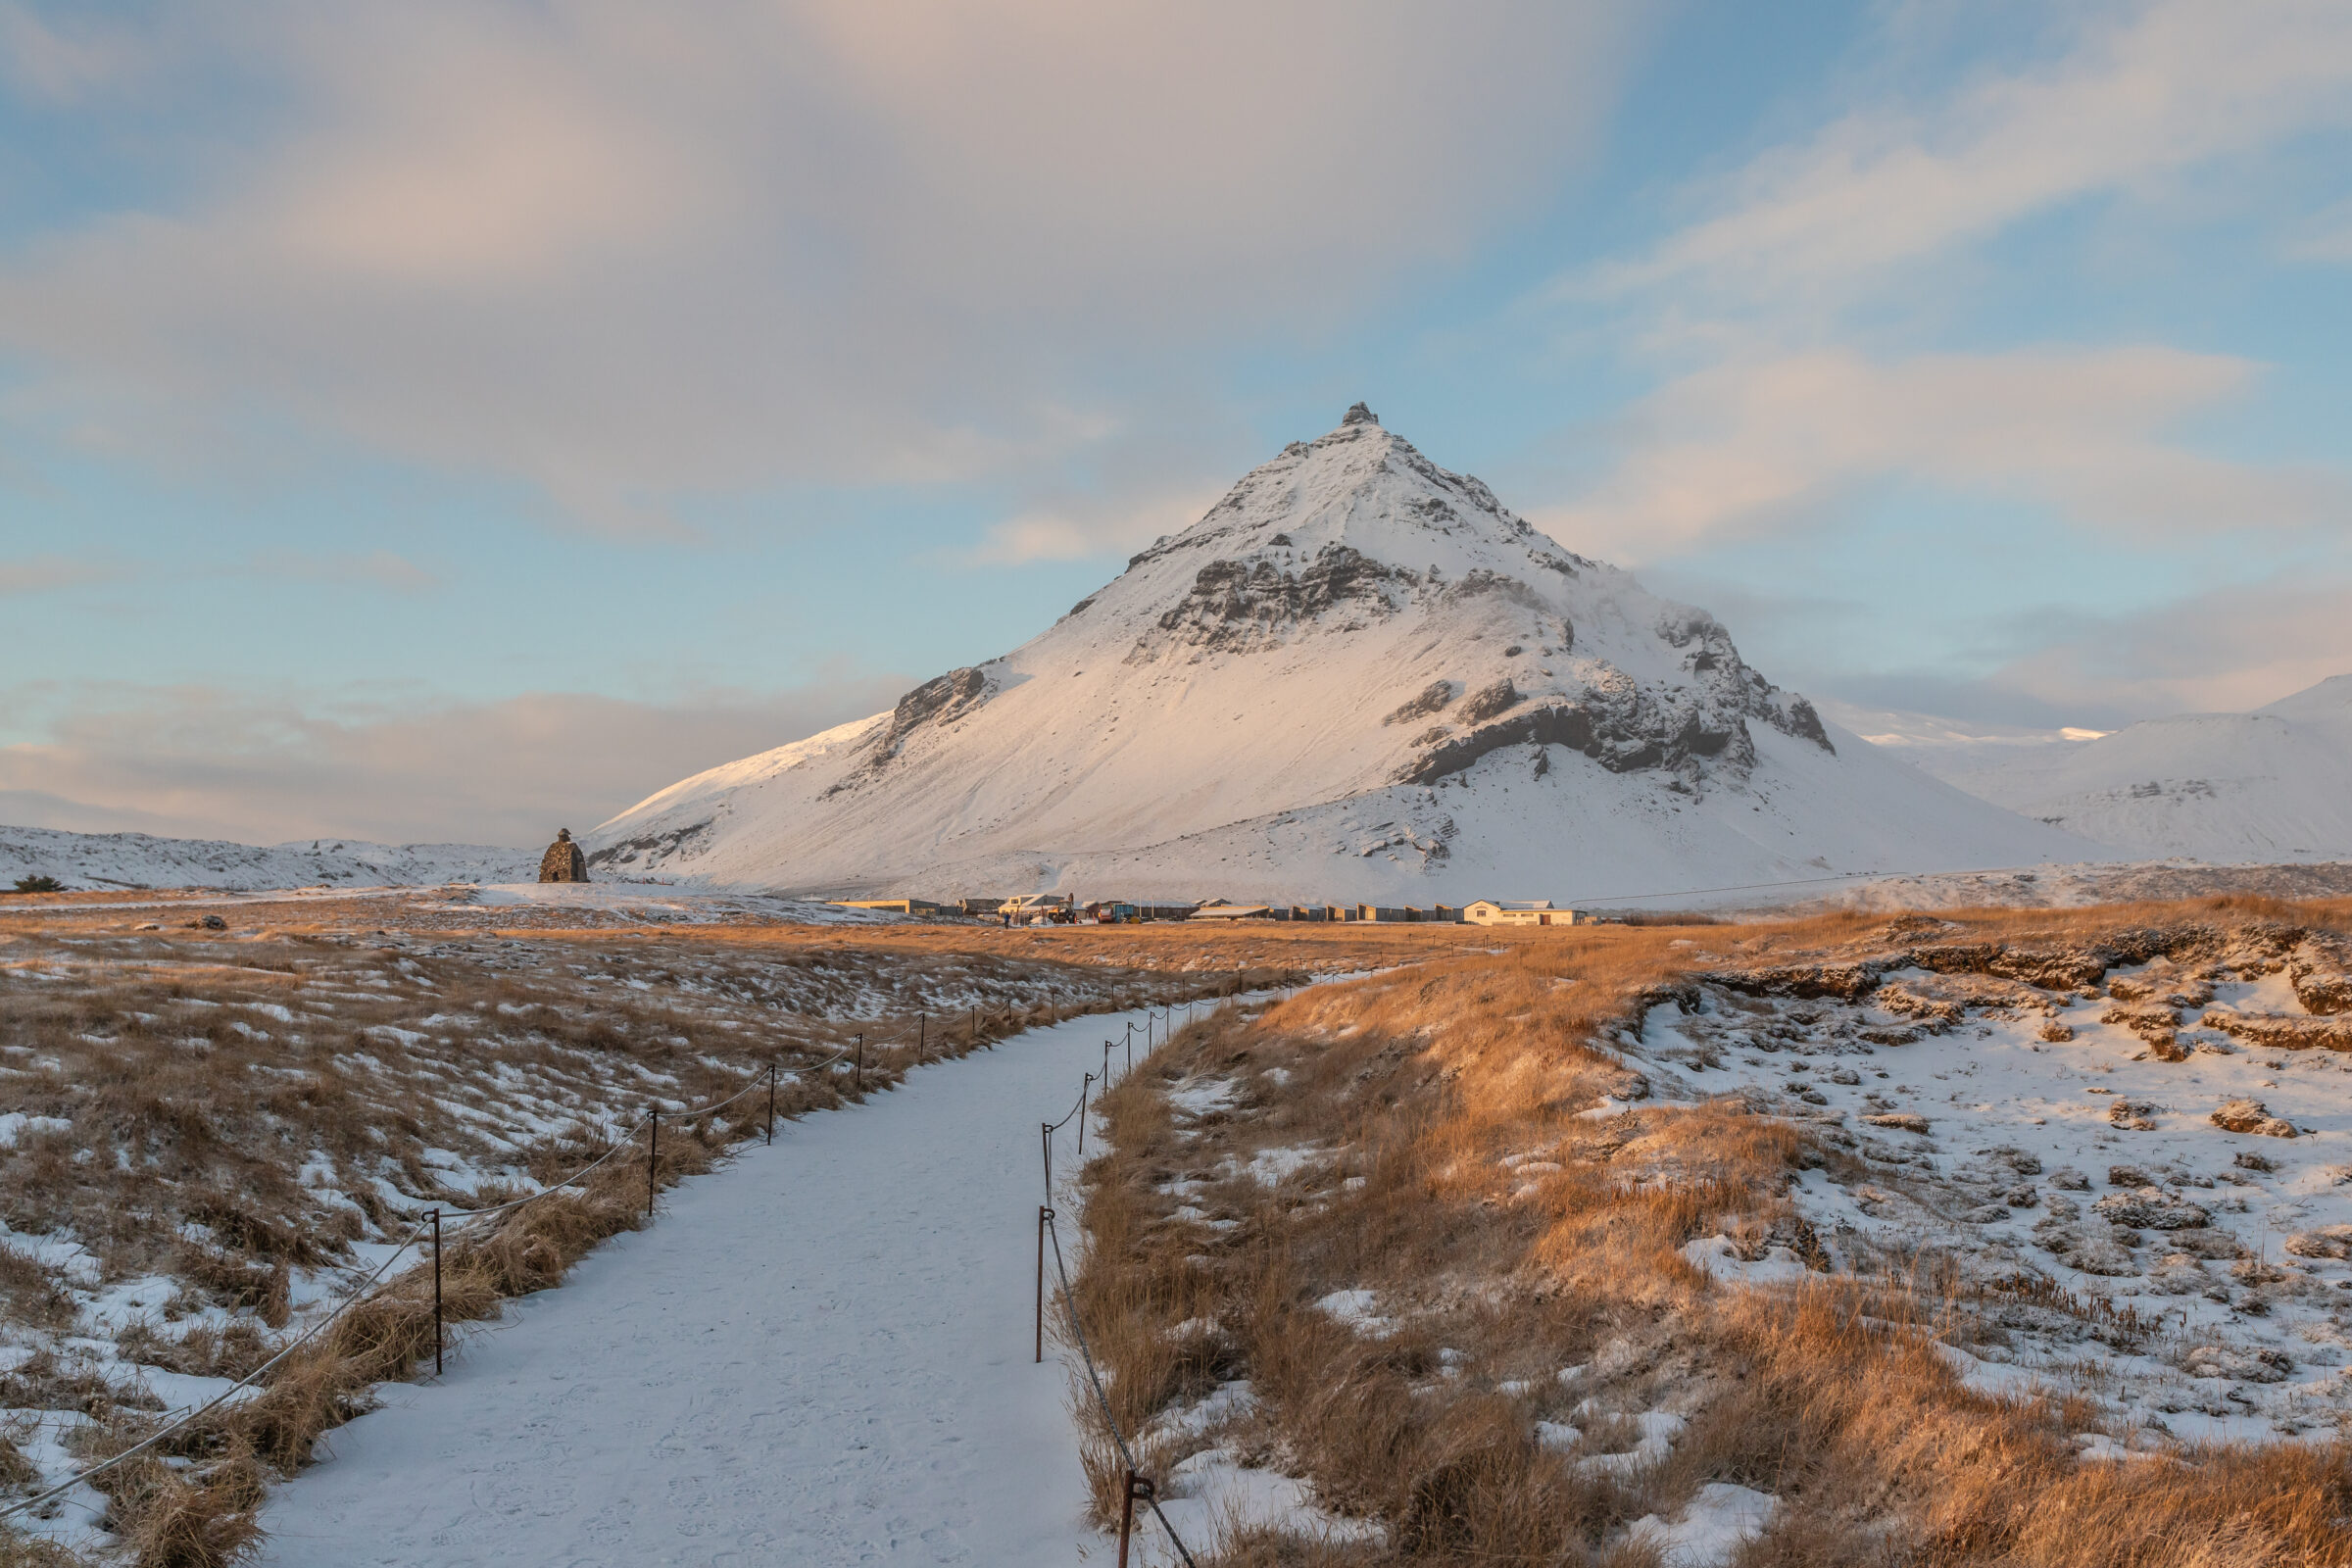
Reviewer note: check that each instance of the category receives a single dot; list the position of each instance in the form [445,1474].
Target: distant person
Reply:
[563,862]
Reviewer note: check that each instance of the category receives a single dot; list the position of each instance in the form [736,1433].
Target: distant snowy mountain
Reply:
[139,860]
[1358,677]
[2273,785]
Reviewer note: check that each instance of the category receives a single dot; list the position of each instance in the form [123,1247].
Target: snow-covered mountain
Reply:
[1358,677]
[140,860]
[2272,785]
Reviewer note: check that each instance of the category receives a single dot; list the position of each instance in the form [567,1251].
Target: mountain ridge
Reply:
[2273,784]
[146,861]
[1354,654]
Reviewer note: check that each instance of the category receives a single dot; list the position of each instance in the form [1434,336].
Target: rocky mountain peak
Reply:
[1355,653]
[1340,548]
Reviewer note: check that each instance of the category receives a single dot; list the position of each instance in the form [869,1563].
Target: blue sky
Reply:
[444,419]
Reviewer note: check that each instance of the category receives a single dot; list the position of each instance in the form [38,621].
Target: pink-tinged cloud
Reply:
[2233,649]
[37,575]
[631,252]
[2147,93]
[203,762]
[1758,445]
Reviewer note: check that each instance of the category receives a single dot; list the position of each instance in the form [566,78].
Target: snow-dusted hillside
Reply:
[1358,677]
[139,860]
[2273,785]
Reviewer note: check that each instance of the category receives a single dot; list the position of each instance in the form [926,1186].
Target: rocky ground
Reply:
[2066,887]
[2137,1150]
[2007,1236]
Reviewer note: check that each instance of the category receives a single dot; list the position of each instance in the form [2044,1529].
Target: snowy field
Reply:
[820,1354]
[1834,1215]
[460,906]
[206,1138]
[2159,1216]
[144,861]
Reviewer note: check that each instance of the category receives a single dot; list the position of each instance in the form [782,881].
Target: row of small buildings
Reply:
[1060,908]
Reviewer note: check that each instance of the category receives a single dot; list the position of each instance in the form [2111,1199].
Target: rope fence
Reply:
[1135,1486]
[473,1222]
[221,1398]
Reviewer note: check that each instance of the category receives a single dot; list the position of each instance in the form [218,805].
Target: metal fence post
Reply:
[1043,1215]
[1085,1085]
[436,1292]
[1126,1514]
[653,1159]
[771,1103]
[861,1063]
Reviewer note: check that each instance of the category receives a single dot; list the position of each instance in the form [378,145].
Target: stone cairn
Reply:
[563,862]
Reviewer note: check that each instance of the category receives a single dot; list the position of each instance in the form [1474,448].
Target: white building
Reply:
[1514,911]
[1029,904]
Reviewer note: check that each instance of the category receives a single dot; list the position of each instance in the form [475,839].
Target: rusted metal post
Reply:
[1043,1216]
[436,1292]
[1107,1063]
[771,1103]
[1046,1137]
[1126,1515]
[653,1159]
[1085,1087]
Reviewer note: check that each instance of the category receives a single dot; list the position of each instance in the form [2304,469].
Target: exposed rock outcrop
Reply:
[1239,605]
[941,700]
[2251,1117]
[1431,697]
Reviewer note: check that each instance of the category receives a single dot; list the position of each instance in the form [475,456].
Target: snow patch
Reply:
[1714,1525]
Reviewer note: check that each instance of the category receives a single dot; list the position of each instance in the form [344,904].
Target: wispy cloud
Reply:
[269,768]
[1080,526]
[1774,442]
[2325,236]
[1821,347]
[630,253]
[58,62]
[374,568]
[379,569]
[2144,95]
[2225,651]
[37,575]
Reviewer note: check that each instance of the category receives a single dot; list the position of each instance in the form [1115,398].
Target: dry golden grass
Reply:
[1414,1086]
[204,1515]
[196,1076]
[21,1551]
[1173,945]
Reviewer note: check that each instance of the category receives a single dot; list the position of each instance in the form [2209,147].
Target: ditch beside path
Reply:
[818,1354]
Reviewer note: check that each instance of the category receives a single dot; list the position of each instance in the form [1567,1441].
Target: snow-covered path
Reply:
[820,1354]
